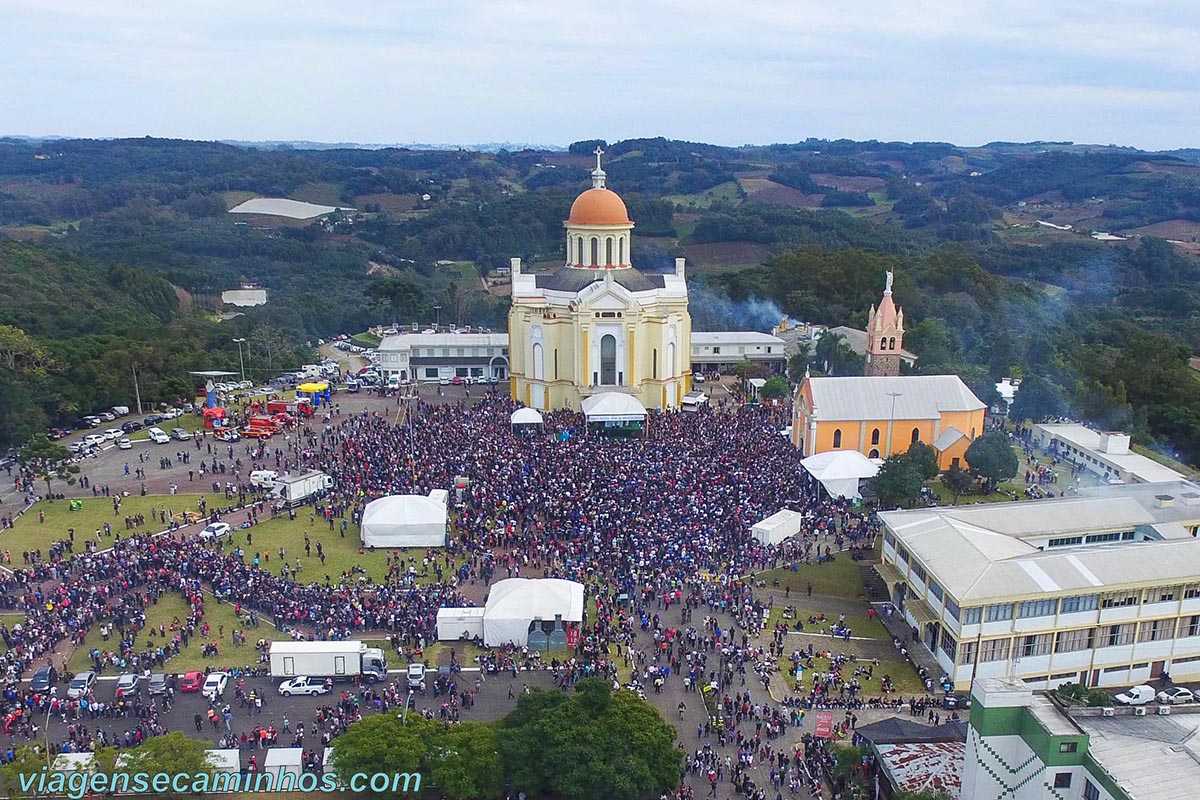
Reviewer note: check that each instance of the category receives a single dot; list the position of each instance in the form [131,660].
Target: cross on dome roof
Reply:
[598,175]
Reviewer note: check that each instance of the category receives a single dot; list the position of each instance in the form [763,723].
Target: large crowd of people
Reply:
[657,527]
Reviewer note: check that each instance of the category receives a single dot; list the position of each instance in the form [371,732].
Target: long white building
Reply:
[1102,589]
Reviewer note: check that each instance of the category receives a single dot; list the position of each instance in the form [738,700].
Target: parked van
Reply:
[1137,696]
[158,436]
[121,411]
[263,478]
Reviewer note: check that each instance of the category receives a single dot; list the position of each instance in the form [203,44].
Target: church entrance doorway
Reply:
[608,360]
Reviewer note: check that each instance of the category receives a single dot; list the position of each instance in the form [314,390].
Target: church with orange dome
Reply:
[597,324]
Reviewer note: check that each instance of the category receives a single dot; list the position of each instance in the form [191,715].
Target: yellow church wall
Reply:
[958,450]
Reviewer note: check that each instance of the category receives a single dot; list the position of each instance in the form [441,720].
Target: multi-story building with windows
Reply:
[424,357]
[1102,590]
[1023,745]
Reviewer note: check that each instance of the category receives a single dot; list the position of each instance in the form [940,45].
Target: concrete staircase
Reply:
[874,588]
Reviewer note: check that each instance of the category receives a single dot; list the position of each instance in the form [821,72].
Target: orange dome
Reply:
[599,207]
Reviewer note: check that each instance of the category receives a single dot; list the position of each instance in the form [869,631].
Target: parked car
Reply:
[303,685]
[228,435]
[192,681]
[112,434]
[1176,695]
[180,434]
[214,685]
[127,684]
[457,381]
[107,416]
[172,413]
[158,436]
[215,530]
[124,444]
[58,433]
[416,676]
[153,419]
[131,426]
[81,685]
[1137,696]
[158,683]
[94,439]
[79,447]
[443,381]
[43,679]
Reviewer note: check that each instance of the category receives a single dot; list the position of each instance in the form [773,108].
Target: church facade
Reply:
[598,324]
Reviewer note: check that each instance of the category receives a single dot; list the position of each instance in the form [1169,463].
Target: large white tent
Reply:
[613,407]
[515,602]
[839,471]
[406,520]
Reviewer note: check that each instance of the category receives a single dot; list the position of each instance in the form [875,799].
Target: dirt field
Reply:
[761,191]
[725,255]
[1179,229]
[851,183]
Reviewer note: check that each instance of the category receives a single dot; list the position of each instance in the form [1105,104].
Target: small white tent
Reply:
[781,525]
[526,416]
[405,520]
[839,471]
[459,623]
[613,407]
[515,602]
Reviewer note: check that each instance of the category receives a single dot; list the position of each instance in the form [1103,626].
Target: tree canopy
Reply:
[992,458]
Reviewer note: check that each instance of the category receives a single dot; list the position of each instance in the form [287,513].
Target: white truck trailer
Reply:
[337,660]
[296,490]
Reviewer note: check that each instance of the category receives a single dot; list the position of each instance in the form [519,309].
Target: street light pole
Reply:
[892,421]
[241,361]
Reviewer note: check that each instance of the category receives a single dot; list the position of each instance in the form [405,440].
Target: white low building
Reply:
[1102,590]
[1104,454]
[425,357]
[720,351]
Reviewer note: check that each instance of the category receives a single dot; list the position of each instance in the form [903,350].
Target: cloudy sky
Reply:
[722,71]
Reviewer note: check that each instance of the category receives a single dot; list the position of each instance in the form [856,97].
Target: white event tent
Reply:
[613,407]
[406,520]
[515,602]
[526,416]
[839,471]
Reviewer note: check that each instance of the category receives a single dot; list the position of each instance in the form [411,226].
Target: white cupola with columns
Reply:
[598,227]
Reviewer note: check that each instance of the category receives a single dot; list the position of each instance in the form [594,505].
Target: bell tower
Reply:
[885,335]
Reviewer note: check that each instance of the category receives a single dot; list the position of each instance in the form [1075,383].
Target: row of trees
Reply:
[990,460]
[595,744]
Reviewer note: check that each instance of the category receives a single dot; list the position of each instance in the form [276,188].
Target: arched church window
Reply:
[671,368]
[892,343]
[608,359]
[621,250]
[579,250]
[595,251]
[608,251]
[916,435]
[837,438]
[875,436]
[883,343]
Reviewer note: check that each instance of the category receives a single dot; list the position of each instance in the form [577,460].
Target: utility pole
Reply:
[241,360]
[438,322]
[137,393]
[892,421]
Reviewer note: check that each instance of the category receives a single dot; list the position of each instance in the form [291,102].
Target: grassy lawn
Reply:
[946,498]
[904,677]
[366,339]
[189,658]
[30,534]
[838,578]
[341,553]
[859,624]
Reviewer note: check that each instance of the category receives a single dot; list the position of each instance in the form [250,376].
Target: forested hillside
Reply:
[1071,264]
